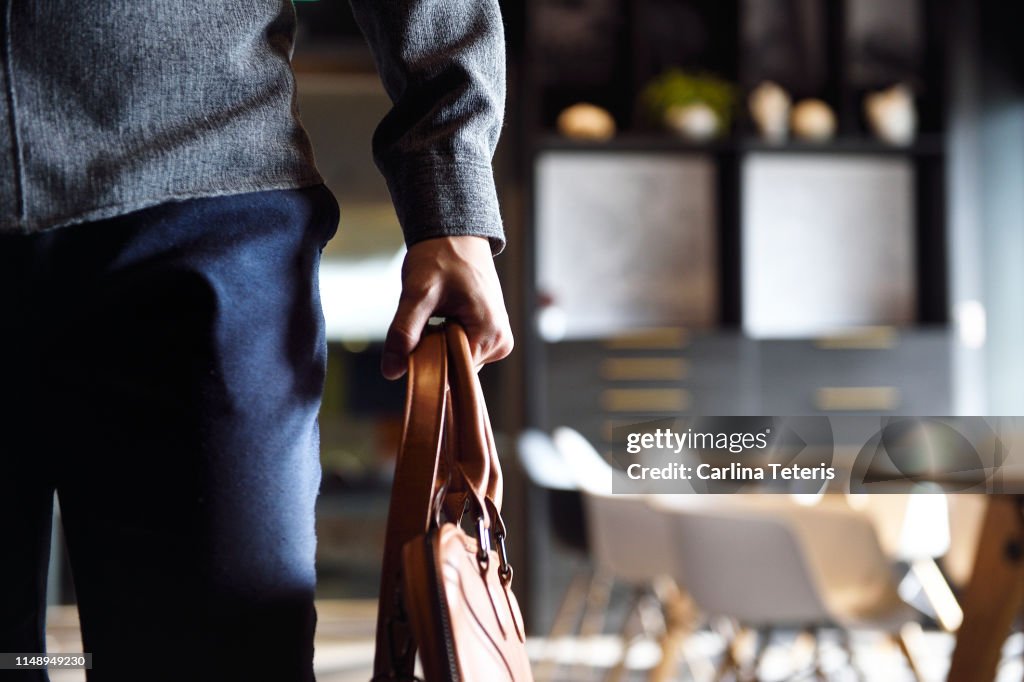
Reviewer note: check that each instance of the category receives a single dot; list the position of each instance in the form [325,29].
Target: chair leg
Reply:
[809,641]
[730,658]
[596,608]
[728,665]
[678,616]
[566,620]
[626,634]
[651,611]
[819,673]
[569,611]
[846,642]
[938,593]
[900,639]
[764,637]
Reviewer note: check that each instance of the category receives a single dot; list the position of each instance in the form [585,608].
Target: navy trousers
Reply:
[162,372]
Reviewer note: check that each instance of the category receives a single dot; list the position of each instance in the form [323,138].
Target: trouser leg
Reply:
[188,459]
[26,506]
[26,488]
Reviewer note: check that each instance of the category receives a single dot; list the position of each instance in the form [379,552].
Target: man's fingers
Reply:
[452,277]
[489,343]
[404,333]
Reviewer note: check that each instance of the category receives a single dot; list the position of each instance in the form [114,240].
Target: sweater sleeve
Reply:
[442,63]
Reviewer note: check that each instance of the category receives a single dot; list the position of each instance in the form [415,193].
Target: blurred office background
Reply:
[771,207]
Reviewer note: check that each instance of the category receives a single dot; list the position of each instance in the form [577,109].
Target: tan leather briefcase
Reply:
[446,592]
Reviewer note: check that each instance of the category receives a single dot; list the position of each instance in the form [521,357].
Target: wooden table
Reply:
[995,595]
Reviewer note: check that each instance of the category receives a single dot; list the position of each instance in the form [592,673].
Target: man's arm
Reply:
[442,63]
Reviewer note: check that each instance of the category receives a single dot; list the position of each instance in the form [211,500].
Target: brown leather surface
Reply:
[484,625]
[458,609]
[476,452]
[411,497]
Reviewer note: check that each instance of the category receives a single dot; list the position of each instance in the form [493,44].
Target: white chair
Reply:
[629,540]
[966,517]
[784,565]
[542,462]
[916,528]
[547,469]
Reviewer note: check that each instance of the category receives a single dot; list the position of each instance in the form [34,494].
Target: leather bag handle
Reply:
[474,452]
[447,451]
[416,471]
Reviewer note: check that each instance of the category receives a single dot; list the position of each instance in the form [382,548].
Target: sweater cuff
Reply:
[445,197]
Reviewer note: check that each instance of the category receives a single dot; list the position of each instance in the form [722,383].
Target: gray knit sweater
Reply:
[109,106]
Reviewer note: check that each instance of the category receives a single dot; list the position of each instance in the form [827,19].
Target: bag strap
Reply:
[476,455]
[411,498]
[447,454]
[471,420]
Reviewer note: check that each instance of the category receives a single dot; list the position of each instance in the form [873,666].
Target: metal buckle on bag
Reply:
[483,543]
[498,524]
[504,567]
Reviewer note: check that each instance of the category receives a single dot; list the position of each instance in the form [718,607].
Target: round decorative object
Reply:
[769,107]
[585,121]
[813,121]
[694,122]
[891,115]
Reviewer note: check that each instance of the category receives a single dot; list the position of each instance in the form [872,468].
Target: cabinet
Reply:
[746,244]
[758,257]
[796,239]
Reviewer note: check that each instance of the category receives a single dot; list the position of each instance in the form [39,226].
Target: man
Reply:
[161,340]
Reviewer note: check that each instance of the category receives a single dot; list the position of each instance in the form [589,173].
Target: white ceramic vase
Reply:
[891,115]
[769,106]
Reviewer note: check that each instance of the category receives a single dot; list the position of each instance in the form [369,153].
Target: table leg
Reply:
[995,594]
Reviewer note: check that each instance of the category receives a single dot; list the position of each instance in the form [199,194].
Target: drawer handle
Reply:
[645,339]
[644,369]
[862,338]
[857,398]
[645,399]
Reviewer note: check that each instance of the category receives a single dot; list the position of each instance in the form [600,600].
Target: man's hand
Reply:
[451,277]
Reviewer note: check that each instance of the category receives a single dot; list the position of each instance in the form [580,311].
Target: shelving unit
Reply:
[604,52]
[726,371]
